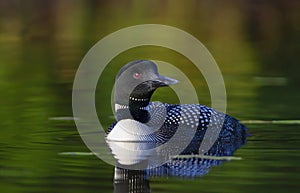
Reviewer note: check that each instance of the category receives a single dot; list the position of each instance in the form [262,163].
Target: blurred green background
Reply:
[255,43]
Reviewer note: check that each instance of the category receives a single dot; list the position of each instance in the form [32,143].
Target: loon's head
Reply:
[136,82]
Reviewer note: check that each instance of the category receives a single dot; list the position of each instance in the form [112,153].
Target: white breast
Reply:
[129,143]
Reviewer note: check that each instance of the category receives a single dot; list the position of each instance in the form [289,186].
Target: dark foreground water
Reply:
[39,56]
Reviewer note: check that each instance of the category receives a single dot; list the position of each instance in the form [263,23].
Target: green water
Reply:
[42,44]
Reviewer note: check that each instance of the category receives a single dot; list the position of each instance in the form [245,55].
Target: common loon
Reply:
[135,84]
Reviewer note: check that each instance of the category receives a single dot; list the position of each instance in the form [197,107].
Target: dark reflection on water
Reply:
[133,181]
[137,181]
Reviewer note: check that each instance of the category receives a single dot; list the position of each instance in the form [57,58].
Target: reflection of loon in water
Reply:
[137,181]
[133,140]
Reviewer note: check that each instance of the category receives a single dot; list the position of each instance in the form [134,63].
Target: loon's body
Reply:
[232,135]
[134,87]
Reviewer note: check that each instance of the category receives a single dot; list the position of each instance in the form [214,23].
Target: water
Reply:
[39,56]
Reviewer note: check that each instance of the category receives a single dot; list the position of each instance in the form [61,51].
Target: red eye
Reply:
[137,75]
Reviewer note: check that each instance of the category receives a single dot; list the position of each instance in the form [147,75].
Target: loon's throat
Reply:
[137,109]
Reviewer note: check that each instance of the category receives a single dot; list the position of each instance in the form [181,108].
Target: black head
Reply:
[136,82]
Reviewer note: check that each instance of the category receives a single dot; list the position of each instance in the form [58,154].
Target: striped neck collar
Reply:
[138,99]
[120,107]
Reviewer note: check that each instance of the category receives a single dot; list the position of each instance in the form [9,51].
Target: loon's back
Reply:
[231,133]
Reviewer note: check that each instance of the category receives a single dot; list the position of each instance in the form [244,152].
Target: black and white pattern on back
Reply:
[194,118]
